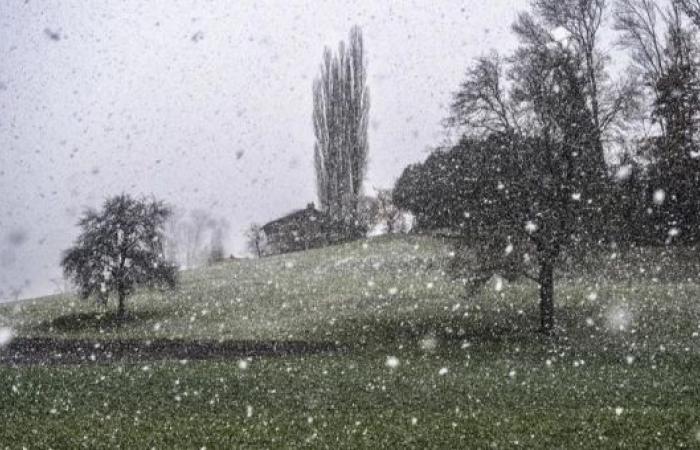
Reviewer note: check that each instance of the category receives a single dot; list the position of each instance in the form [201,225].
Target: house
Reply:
[300,230]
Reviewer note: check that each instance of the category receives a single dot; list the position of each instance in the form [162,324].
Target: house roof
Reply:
[300,214]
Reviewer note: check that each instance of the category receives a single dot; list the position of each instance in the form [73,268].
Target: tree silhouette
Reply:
[340,117]
[119,249]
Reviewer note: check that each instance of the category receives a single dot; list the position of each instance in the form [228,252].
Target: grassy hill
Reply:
[419,362]
[280,297]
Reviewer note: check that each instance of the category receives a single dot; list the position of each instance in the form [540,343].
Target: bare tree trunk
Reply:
[546,279]
[121,308]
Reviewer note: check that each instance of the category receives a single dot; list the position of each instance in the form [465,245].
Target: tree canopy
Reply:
[120,248]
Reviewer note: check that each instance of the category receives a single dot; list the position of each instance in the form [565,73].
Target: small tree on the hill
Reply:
[195,238]
[216,249]
[119,249]
[256,240]
[389,213]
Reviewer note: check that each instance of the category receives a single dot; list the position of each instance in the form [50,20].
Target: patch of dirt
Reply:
[48,351]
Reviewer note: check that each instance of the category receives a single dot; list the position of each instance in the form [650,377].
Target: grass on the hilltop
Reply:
[270,298]
[469,370]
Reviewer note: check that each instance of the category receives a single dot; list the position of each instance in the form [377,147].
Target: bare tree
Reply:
[537,187]
[217,250]
[691,8]
[388,212]
[665,53]
[643,27]
[367,211]
[171,236]
[256,240]
[340,118]
[610,102]
[582,19]
[195,238]
[640,24]
[482,104]
[483,99]
[194,231]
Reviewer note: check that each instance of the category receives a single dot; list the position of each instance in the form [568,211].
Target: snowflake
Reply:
[428,344]
[659,197]
[6,335]
[392,362]
[623,172]
[498,286]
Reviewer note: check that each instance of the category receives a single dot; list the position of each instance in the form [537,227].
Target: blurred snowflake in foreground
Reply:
[392,362]
[6,335]
[619,318]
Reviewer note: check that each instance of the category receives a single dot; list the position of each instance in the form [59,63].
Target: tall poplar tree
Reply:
[340,117]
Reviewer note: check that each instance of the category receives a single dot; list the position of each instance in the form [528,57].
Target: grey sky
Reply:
[205,104]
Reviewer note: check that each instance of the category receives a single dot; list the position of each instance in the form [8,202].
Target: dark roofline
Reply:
[299,212]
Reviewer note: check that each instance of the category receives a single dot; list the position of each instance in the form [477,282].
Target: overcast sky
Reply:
[205,104]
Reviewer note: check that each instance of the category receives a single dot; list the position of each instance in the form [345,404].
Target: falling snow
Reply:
[6,335]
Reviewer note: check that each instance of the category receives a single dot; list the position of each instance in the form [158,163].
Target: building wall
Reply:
[295,234]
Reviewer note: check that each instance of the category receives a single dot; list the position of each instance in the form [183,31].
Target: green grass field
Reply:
[424,364]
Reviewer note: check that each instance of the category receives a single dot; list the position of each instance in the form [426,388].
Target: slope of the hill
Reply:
[414,360]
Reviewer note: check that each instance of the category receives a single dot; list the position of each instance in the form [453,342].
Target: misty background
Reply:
[206,105]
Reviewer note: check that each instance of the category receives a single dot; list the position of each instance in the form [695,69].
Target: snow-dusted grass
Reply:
[427,366]
[271,298]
